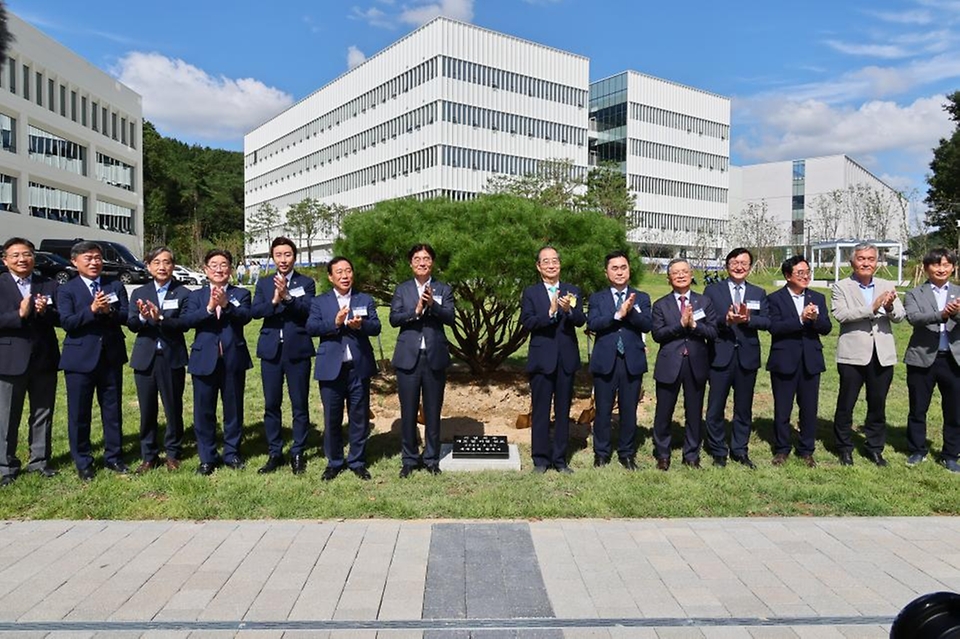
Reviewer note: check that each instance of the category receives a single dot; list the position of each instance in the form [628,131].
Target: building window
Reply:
[73,106]
[8,193]
[56,151]
[113,126]
[83,110]
[133,135]
[113,217]
[63,100]
[26,82]
[114,172]
[103,120]
[51,94]
[12,74]
[95,116]
[55,204]
[8,133]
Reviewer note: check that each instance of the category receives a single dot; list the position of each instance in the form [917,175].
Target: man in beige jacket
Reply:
[864,306]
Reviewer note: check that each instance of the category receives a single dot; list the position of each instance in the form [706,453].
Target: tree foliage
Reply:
[193,196]
[757,229]
[607,192]
[943,196]
[486,250]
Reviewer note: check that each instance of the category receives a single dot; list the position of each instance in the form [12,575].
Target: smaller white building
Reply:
[818,199]
[70,146]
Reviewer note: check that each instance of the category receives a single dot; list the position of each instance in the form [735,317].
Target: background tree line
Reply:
[193,197]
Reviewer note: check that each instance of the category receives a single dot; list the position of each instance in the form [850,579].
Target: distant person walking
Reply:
[254,272]
[241,272]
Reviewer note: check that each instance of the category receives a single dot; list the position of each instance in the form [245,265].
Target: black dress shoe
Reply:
[539,470]
[846,459]
[433,469]
[330,473]
[206,469]
[877,458]
[564,470]
[663,463]
[630,463]
[235,463]
[809,461]
[298,463]
[406,471]
[45,472]
[86,474]
[719,461]
[6,480]
[599,461]
[273,462]
[362,473]
[117,467]
[744,461]
[692,463]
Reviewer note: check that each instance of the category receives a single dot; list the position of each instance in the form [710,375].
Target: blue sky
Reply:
[806,79]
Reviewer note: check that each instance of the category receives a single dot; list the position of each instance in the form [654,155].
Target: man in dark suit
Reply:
[219,360]
[345,320]
[159,359]
[684,323]
[285,350]
[798,317]
[551,311]
[28,359]
[933,358]
[420,308]
[734,357]
[618,316]
[93,310]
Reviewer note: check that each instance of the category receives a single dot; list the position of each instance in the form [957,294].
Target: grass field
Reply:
[609,492]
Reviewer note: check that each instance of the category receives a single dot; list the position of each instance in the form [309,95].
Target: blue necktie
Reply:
[620,298]
[94,288]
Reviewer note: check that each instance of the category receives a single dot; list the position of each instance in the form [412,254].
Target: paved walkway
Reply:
[803,577]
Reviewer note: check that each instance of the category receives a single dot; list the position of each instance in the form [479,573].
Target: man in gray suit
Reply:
[933,358]
[420,308]
[864,306]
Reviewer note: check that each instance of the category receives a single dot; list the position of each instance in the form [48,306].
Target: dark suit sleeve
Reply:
[300,306]
[399,313]
[707,329]
[822,324]
[781,323]
[242,313]
[51,316]
[644,319]
[915,316]
[194,313]
[177,322]
[445,311]
[598,321]
[317,324]
[73,314]
[262,301]
[529,318]
[370,325]
[576,314]
[11,319]
[760,320]
[661,330]
[134,323]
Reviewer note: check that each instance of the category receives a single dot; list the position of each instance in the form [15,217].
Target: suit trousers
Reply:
[41,387]
[169,383]
[626,387]
[410,385]
[545,389]
[743,382]
[297,374]
[667,395]
[945,375]
[353,390]
[107,382]
[805,389]
[877,379]
[229,386]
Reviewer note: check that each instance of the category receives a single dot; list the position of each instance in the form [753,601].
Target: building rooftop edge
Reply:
[654,77]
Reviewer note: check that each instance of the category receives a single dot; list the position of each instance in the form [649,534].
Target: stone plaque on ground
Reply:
[480,447]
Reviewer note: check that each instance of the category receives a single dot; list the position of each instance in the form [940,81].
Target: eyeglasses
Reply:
[550,260]
[17,256]
[90,258]
[422,260]
[218,267]
[802,273]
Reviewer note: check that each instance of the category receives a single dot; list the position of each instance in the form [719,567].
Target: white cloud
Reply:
[182,99]
[355,57]
[373,16]
[426,11]
[870,50]
[910,16]
[782,130]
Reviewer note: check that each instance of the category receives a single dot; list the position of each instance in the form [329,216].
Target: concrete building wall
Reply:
[53,125]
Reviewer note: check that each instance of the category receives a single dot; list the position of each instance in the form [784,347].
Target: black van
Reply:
[118,261]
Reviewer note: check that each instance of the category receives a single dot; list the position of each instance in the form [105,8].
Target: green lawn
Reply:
[609,492]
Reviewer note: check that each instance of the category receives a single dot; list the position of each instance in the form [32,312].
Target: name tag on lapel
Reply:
[297,292]
[359,311]
[170,305]
[112,298]
[699,314]
[636,307]
[753,305]
[235,301]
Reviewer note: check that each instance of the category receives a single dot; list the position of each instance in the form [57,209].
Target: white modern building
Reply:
[444,109]
[820,199]
[673,143]
[70,156]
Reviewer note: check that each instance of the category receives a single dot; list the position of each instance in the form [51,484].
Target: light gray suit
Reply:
[928,367]
[866,354]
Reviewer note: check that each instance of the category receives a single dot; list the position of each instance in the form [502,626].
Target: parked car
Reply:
[185,275]
[50,265]
[53,266]
[118,261]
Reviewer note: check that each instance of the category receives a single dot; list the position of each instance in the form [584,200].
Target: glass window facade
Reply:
[114,172]
[57,151]
[8,133]
[56,204]
[113,217]
[8,193]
